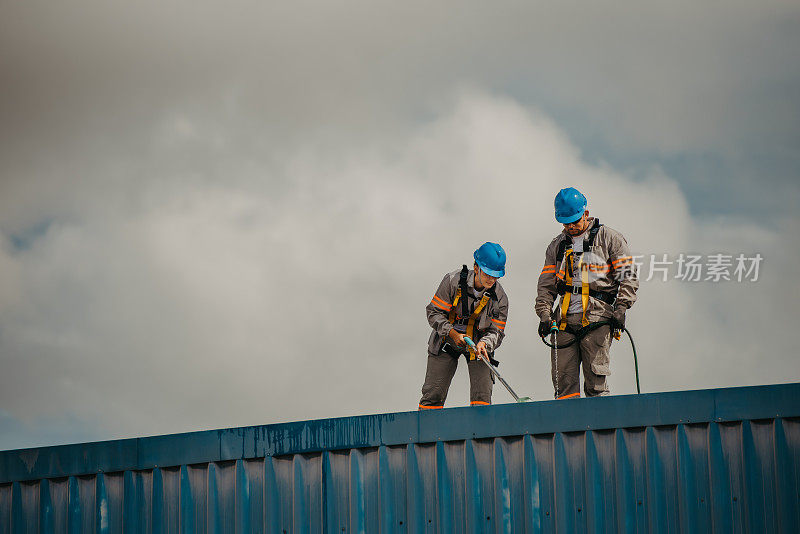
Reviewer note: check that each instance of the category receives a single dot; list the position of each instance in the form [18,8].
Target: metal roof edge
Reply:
[542,417]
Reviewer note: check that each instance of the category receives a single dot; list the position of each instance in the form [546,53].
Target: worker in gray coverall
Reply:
[591,267]
[469,303]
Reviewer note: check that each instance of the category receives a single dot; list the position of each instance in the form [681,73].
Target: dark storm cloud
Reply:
[86,82]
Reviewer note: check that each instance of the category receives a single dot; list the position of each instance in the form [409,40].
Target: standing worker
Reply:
[468,303]
[591,267]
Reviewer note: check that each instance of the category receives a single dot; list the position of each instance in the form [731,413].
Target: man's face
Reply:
[483,280]
[578,227]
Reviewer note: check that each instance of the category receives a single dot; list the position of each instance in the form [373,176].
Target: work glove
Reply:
[618,319]
[544,328]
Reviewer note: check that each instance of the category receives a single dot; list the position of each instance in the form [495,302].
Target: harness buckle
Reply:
[576,290]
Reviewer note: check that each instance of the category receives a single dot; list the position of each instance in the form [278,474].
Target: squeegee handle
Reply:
[472,346]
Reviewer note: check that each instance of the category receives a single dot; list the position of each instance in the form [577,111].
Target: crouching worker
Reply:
[471,303]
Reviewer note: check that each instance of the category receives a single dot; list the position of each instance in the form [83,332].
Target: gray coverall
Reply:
[610,269]
[489,326]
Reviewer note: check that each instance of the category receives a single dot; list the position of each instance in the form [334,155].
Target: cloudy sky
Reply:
[214,216]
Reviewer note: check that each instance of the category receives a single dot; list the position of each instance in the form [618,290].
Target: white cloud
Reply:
[292,286]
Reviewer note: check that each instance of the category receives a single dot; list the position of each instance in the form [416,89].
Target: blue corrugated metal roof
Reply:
[723,460]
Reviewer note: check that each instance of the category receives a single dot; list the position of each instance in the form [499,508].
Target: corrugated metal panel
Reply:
[704,461]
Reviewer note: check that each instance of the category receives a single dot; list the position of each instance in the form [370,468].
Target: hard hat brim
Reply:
[570,218]
[492,273]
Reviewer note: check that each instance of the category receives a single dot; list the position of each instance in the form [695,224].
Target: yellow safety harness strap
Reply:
[569,259]
[471,323]
[568,280]
[452,316]
[584,290]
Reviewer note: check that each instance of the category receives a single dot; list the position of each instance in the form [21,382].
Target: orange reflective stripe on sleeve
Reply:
[500,324]
[480,403]
[439,303]
[625,259]
[549,269]
[421,407]
[578,394]
[445,308]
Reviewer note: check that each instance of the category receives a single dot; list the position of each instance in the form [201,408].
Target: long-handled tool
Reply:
[494,371]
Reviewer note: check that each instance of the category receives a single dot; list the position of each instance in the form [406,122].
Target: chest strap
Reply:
[568,269]
[606,296]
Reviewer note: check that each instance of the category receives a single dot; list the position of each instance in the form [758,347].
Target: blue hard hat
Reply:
[570,205]
[491,258]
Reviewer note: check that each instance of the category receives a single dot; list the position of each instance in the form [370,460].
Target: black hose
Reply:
[581,332]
